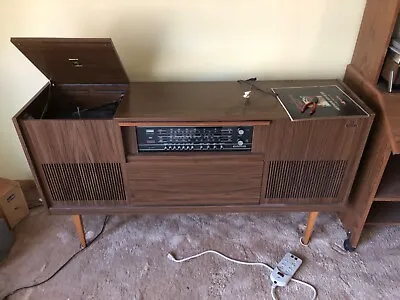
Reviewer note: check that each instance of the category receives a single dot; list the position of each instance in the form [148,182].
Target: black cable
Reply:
[251,81]
[60,268]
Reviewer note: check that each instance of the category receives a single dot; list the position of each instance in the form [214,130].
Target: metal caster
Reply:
[347,246]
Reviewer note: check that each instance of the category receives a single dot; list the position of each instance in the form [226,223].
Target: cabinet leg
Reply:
[79,229]
[310,227]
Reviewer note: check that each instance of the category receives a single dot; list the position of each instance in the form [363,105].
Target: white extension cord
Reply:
[240,262]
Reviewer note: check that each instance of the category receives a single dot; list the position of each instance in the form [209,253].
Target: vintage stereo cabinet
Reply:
[99,144]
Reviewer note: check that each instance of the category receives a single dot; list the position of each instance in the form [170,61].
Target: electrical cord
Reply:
[241,262]
[251,81]
[63,265]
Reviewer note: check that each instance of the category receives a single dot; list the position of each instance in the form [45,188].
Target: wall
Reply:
[178,40]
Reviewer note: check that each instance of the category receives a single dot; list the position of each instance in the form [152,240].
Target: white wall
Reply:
[178,40]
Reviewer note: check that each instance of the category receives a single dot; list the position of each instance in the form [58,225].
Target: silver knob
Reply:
[240,142]
[240,131]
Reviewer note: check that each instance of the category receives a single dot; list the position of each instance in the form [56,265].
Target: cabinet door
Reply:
[78,161]
[195,180]
[74,141]
[312,163]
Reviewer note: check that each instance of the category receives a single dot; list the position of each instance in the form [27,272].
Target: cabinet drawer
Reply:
[195,180]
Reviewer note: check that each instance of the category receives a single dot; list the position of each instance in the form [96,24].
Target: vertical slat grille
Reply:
[85,182]
[305,179]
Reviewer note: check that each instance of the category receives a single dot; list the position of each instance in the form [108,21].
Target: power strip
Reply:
[286,268]
[280,276]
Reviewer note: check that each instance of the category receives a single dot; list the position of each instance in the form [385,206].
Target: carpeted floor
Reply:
[129,261]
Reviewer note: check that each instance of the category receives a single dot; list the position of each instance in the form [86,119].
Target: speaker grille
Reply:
[84,182]
[305,179]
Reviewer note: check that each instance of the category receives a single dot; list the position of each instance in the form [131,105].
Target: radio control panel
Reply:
[190,138]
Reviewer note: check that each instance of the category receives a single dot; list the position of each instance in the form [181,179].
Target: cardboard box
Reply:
[13,207]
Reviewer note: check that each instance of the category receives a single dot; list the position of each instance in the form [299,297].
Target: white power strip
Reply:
[280,276]
[285,269]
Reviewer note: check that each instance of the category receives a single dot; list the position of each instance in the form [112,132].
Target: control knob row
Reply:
[211,147]
[178,148]
[208,147]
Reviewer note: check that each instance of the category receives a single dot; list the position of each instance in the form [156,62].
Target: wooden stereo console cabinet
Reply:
[87,160]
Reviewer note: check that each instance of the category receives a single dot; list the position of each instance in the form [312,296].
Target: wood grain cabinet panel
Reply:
[374,37]
[310,163]
[73,141]
[390,105]
[201,180]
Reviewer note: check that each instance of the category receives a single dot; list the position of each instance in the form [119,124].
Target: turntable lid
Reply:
[74,60]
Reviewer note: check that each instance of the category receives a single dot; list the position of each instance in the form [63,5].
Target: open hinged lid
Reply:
[74,60]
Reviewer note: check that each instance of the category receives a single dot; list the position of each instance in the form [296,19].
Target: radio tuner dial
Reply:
[191,138]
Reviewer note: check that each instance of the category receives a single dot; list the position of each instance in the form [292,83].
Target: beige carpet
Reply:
[129,260]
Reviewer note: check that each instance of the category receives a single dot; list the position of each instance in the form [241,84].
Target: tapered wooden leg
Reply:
[79,229]
[310,227]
